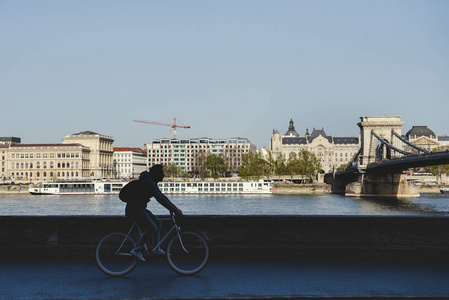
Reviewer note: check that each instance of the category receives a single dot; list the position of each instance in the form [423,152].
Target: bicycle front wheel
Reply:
[113,254]
[188,255]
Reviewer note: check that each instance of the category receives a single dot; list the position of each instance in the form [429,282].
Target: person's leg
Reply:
[157,233]
[146,224]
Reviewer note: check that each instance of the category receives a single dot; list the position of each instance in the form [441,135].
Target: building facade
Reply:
[189,154]
[129,162]
[4,161]
[47,162]
[424,137]
[333,152]
[101,155]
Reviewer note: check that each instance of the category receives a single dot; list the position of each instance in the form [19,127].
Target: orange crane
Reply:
[174,126]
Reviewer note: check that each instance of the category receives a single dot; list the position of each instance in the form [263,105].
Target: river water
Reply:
[327,204]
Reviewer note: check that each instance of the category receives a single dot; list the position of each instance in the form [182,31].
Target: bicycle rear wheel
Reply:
[113,254]
[192,261]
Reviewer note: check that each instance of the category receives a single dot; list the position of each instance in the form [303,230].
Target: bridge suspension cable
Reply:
[409,144]
[352,163]
[388,145]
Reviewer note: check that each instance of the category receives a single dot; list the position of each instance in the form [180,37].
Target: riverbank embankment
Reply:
[301,189]
[13,189]
[322,188]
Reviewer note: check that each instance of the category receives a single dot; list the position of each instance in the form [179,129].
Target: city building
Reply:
[424,137]
[4,161]
[129,162]
[47,162]
[101,155]
[10,140]
[333,152]
[189,154]
[85,154]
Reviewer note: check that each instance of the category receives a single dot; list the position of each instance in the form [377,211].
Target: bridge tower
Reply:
[382,126]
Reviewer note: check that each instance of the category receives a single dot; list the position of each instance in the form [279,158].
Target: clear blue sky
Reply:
[226,68]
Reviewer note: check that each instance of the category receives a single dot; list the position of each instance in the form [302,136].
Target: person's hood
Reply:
[145,176]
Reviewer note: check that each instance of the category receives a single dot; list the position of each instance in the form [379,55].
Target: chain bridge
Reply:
[384,156]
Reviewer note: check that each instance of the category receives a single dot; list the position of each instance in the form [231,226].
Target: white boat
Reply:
[218,187]
[78,187]
[111,187]
[444,190]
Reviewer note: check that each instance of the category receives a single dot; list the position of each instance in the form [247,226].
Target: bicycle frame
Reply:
[165,237]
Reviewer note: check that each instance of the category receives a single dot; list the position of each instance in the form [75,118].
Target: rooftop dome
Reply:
[291,130]
[418,131]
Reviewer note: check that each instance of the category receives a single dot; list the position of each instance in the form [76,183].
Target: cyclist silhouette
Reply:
[136,209]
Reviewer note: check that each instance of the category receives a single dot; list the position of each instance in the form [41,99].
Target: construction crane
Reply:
[174,126]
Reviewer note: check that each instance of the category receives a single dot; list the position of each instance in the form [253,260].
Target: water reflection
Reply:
[413,206]
[426,205]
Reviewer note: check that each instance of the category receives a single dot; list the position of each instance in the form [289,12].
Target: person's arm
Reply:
[164,201]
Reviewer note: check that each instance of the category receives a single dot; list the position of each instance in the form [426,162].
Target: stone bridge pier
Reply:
[361,181]
[381,185]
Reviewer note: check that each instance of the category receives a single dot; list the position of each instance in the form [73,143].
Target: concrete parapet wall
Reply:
[283,236]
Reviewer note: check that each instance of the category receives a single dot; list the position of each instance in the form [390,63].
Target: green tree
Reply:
[310,164]
[216,164]
[294,166]
[198,169]
[280,166]
[173,170]
[253,166]
[271,164]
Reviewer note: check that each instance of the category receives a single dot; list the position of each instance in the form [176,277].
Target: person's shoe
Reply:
[138,255]
[159,251]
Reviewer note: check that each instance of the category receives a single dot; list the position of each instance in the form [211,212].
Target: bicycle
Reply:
[187,252]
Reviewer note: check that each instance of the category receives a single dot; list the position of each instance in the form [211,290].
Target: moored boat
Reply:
[217,187]
[444,190]
[78,187]
[111,187]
